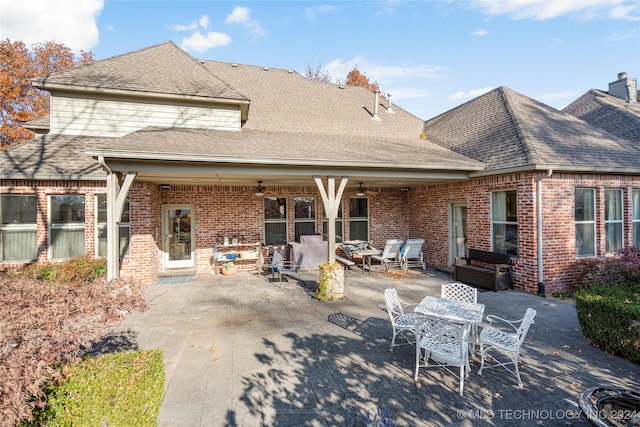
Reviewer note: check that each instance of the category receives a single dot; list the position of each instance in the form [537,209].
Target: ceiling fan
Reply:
[361,191]
[260,190]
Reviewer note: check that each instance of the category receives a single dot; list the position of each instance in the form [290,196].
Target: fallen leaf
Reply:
[357,371]
[213,349]
[497,396]
[217,359]
[419,385]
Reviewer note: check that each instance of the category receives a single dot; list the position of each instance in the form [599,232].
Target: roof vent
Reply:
[389,109]
[376,104]
[290,71]
[341,86]
[266,68]
[234,65]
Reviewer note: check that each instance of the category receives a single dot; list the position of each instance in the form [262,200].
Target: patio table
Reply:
[366,255]
[453,311]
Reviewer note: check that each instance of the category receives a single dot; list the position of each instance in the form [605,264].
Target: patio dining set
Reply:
[444,330]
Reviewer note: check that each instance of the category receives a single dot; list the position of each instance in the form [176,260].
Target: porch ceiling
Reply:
[193,173]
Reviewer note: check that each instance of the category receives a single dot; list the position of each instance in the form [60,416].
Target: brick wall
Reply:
[418,213]
[429,218]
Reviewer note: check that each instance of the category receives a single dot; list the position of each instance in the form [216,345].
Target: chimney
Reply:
[624,88]
[389,109]
[376,105]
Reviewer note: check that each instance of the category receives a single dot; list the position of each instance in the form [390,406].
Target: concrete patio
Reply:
[241,351]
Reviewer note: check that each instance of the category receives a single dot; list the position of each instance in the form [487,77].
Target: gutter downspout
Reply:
[539,231]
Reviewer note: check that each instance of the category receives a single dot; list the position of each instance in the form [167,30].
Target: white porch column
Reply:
[116,198]
[331,202]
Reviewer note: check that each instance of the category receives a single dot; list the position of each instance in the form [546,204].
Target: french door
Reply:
[178,229]
[457,231]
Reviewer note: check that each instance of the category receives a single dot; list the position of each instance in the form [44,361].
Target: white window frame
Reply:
[303,220]
[353,219]
[505,221]
[586,222]
[124,228]
[616,223]
[66,226]
[267,221]
[7,229]
[635,217]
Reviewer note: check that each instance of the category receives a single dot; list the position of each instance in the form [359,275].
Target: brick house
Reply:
[151,157]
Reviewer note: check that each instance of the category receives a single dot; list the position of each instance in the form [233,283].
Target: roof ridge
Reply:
[523,138]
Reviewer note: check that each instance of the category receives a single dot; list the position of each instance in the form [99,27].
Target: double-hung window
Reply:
[504,227]
[101,227]
[613,227]
[359,219]
[18,227]
[275,221]
[585,219]
[66,226]
[635,217]
[304,209]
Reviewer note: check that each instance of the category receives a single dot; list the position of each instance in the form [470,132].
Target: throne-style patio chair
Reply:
[459,292]
[401,322]
[506,342]
[445,343]
[411,254]
[390,256]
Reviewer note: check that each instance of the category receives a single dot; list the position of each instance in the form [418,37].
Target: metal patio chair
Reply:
[461,292]
[445,343]
[400,321]
[505,342]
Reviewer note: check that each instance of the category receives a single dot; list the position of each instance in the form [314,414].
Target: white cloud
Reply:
[202,22]
[469,94]
[69,22]
[198,42]
[567,94]
[550,9]
[311,13]
[383,74]
[242,15]
[479,33]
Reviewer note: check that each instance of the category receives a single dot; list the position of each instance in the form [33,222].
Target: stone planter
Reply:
[331,282]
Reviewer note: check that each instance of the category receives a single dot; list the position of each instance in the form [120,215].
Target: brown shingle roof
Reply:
[161,69]
[614,115]
[506,130]
[274,147]
[283,100]
[52,157]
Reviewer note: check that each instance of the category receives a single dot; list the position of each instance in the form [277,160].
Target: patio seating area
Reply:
[244,351]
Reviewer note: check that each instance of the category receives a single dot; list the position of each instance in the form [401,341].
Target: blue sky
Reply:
[429,55]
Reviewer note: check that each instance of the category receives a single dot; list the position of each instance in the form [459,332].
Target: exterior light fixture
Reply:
[360,191]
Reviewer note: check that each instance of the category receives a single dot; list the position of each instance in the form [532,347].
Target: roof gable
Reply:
[164,69]
[609,113]
[506,130]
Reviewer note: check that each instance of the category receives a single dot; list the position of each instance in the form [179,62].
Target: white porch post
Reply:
[331,202]
[116,198]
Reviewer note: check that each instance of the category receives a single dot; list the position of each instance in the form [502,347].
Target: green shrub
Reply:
[75,270]
[119,389]
[610,318]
